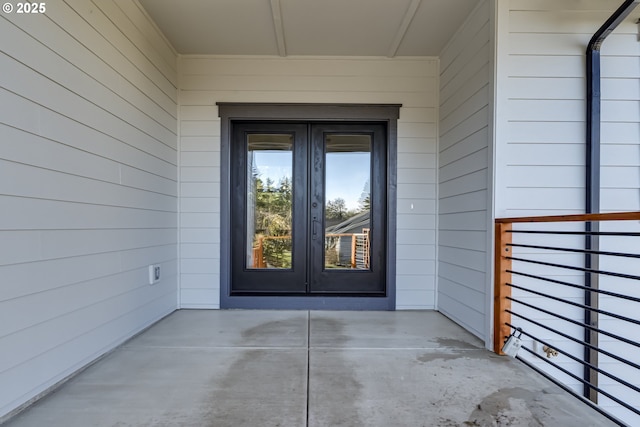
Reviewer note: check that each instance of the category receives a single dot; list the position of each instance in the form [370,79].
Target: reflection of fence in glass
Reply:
[346,250]
[272,252]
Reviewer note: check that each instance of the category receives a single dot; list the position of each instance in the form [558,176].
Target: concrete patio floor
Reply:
[299,368]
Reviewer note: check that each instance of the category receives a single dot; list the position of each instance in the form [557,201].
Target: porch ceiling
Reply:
[309,27]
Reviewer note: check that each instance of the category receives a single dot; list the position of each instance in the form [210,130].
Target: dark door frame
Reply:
[380,113]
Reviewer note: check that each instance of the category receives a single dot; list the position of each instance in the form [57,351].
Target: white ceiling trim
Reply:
[276,13]
[404,26]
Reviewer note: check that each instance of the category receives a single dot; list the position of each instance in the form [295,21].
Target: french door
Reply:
[308,208]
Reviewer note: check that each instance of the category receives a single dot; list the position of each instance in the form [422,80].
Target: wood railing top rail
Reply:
[615,216]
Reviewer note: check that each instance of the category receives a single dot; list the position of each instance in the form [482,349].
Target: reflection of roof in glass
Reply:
[355,224]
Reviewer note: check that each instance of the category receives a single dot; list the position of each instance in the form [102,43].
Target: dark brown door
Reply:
[308,209]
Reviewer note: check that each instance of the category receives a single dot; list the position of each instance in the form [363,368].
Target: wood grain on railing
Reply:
[501,290]
[615,216]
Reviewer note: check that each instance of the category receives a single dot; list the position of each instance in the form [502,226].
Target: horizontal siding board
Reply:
[468,297]
[200,174]
[89,174]
[415,237]
[199,204]
[200,235]
[417,145]
[200,298]
[473,201]
[469,183]
[551,176]
[198,144]
[199,281]
[43,184]
[103,25]
[475,66]
[547,66]
[416,252]
[31,118]
[31,246]
[467,146]
[199,189]
[136,13]
[415,222]
[415,205]
[471,105]
[466,89]
[466,128]
[409,99]
[329,66]
[26,214]
[538,132]
[34,150]
[542,110]
[563,44]
[206,158]
[318,83]
[551,88]
[471,221]
[40,90]
[54,36]
[463,239]
[76,26]
[473,48]
[474,260]
[460,313]
[417,115]
[137,38]
[23,278]
[555,21]
[419,191]
[410,299]
[143,180]
[465,165]
[558,154]
[545,198]
[199,220]
[32,53]
[417,160]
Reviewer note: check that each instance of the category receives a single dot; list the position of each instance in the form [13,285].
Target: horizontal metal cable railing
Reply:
[569,288]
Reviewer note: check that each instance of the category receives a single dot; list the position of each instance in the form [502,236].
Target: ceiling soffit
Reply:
[309,27]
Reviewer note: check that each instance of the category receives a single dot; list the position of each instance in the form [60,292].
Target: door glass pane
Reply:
[347,215]
[269,201]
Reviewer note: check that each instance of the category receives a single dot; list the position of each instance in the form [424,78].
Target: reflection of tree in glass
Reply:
[273,219]
[364,202]
[336,209]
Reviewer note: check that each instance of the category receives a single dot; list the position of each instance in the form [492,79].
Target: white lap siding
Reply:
[465,174]
[88,188]
[205,80]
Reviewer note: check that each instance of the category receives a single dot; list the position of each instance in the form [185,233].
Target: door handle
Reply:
[314,227]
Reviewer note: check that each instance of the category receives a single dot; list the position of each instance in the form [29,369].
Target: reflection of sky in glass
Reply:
[273,164]
[346,173]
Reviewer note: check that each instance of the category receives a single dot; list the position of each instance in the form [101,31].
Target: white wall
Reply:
[465,173]
[540,166]
[88,187]
[205,80]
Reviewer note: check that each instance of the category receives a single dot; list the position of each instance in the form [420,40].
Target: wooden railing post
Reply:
[354,249]
[501,290]
[258,255]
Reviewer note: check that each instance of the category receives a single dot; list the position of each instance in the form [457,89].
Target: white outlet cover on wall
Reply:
[154,273]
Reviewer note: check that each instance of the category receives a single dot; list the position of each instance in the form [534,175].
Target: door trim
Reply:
[380,113]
